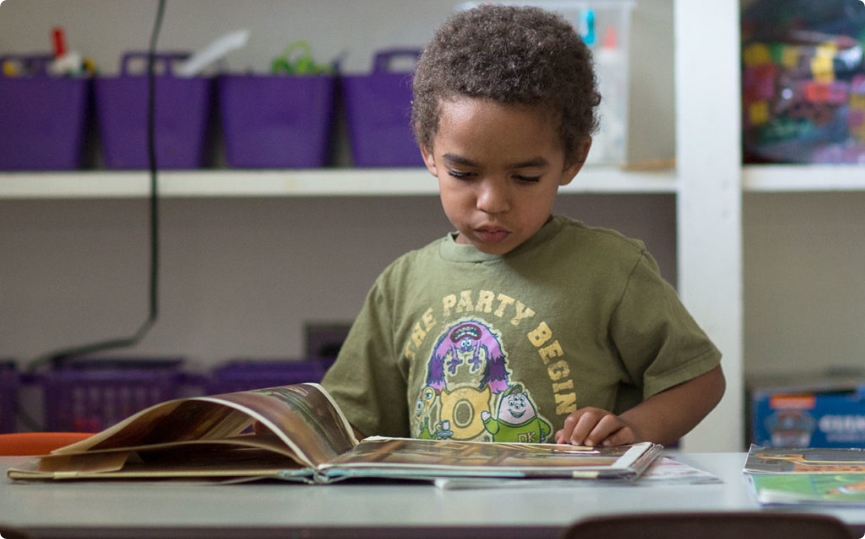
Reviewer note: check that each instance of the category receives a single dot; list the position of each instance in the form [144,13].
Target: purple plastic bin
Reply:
[276,121]
[243,375]
[43,118]
[92,395]
[378,112]
[9,381]
[183,107]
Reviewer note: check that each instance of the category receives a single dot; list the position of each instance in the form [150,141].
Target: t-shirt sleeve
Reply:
[366,381]
[659,341]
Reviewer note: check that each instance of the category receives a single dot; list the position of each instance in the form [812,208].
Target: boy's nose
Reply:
[492,197]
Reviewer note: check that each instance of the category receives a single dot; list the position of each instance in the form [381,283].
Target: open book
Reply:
[826,476]
[300,434]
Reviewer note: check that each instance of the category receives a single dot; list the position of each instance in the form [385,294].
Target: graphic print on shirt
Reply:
[469,394]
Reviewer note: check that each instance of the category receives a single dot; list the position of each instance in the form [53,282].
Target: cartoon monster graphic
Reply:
[425,401]
[472,343]
[518,420]
[461,410]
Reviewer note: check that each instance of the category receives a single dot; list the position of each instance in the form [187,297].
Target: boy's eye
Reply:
[528,179]
[458,174]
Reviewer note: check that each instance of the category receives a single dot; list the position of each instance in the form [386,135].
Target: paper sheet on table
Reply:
[664,471]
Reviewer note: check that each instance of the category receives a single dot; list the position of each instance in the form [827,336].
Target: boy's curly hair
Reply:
[511,55]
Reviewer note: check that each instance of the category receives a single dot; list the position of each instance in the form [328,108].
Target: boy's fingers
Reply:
[586,423]
[592,427]
[563,436]
[608,431]
[621,437]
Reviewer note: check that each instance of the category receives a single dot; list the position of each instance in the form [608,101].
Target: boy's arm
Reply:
[662,418]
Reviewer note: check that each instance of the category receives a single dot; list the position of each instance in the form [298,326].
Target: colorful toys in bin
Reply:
[803,81]
[297,59]
[67,62]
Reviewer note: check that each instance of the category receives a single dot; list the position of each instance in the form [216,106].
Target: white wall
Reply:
[804,256]
[238,277]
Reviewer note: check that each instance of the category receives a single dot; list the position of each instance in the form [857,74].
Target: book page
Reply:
[792,489]
[664,471]
[805,461]
[303,417]
[440,457]
[169,422]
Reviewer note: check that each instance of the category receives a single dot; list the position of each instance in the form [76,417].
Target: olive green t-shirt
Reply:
[455,343]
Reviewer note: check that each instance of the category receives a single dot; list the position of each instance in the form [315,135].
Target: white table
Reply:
[150,510]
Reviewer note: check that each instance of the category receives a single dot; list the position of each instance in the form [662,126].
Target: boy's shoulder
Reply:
[571,230]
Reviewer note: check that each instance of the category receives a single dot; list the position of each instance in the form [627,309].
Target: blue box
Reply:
[826,413]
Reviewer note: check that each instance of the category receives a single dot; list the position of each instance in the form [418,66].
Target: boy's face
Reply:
[499,169]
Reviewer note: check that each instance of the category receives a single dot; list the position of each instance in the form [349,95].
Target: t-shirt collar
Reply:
[458,252]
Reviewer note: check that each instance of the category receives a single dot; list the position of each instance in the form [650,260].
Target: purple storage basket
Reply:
[276,121]
[183,107]
[89,396]
[378,112]
[243,375]
[9,382]
[43,118]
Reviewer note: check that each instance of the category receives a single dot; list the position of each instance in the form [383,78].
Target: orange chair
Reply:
[37,443]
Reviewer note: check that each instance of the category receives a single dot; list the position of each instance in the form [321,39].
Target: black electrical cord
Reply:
[111,344]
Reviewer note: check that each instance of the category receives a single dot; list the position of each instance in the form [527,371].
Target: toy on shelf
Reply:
[803,82]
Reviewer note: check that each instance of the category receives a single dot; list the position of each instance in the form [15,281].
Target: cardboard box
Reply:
[826,412]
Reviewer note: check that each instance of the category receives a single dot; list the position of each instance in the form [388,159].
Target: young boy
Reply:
[520,326]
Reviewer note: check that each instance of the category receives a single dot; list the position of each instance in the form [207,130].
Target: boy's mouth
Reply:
[491,234]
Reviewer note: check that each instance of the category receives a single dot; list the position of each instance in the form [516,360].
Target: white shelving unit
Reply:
[709,198]
[713,188]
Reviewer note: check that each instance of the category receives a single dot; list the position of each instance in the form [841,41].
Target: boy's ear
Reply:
[571,170]
[429,159]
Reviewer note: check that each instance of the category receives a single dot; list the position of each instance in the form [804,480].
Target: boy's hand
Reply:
[594,426]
